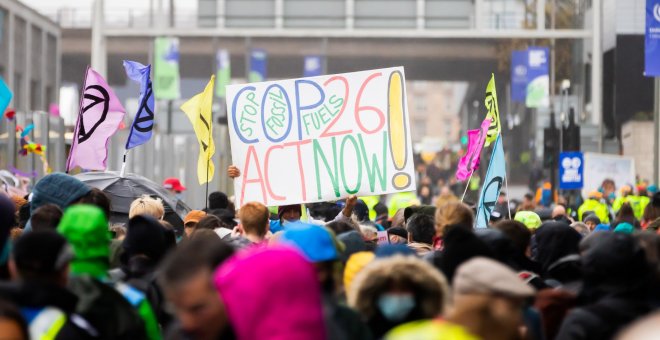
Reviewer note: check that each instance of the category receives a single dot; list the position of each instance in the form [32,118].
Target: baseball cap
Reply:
[193,217]
[481,275]
[313,241]
[174,184]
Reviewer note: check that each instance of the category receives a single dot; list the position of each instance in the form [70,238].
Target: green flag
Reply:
[166,69]
[224,72]
[493,112]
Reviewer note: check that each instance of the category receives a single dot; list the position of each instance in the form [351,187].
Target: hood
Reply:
[429,286]
[86,229]
[273,294]
[144,236]
[555,240]
[460,245]
[353,242]
[59,189]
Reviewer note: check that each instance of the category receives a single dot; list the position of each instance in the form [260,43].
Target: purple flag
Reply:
[100,114]
[143,123]
[470,161]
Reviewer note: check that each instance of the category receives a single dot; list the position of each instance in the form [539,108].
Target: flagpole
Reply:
[75,129]
[467,186]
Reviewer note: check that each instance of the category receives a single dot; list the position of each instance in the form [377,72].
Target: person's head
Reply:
[99,199]
[291,307]
[354,265]
[369,231]
[581,228]
[421,228]
[191,220]
[218,200]
[399,235]
[558,211]
[290,213]
[489,299]
[46,217]
[12,324]
[608,187]
[399,289]
[626,214]
[254,219]
[212,222]
[555,240]
[145,244]
[59,189]
[646,328]
[41,256]
[340,227]
[591,221]
[147,206]
[518,233]
[86,229]
[530,219]
[452,214]
[173,185]
[528,198]
[186,276]
[626,190]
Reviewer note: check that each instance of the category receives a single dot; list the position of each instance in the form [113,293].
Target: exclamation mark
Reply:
[396,121]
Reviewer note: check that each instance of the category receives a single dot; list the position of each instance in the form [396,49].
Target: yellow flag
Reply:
[198,110]
[493,111]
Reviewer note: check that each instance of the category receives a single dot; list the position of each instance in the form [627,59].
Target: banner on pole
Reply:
[495,177]
[198,111]
[100,114]
[223,76]
[470,161]
[321,138]
[519,76]
[166,68]
[538,77]
[652,39]
[571,170]
[258,65]
[493,112]
[5,97]
[143,123]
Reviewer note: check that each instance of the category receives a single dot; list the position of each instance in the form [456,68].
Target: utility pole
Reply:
[597,71]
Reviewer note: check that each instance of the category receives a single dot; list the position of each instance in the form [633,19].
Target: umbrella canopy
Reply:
[124,190]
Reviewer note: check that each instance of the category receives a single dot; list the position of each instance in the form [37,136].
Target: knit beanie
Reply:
[59,189]
[86,229]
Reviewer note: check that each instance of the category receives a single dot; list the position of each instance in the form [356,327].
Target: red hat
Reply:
[174,184]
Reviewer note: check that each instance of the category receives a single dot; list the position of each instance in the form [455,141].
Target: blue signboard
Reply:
[571,170]
[652,39]
[519,76]
[538,77]
[258,65]
[313,66]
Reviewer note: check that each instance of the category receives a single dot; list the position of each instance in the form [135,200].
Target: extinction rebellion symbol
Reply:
[491,190]
[96,98]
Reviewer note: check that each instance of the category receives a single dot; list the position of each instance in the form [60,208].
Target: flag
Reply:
[223,76]
[166,68]
[495,177]
[198,110]
[143,123]
[493,111]
[470,161]
[258,65]
[313,66]
[652,39]
[99,117]
[5,97]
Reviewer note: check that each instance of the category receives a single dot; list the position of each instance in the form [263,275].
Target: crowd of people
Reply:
[409,267]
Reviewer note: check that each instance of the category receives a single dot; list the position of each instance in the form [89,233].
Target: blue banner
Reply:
[258,65]
[143,123]
[652,39]
[313,66]
[495,177]
[519,76]
[571,170]
[538,77]
[5,97]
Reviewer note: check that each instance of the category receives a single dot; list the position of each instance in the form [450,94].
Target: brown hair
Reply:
[254,218]
[452,213]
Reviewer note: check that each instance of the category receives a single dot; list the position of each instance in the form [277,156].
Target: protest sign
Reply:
[598,167]
[321,138]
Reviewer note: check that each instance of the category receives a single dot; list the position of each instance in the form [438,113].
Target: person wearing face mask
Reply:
[174,187]
[395,290]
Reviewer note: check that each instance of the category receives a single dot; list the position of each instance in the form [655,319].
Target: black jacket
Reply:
[35,295]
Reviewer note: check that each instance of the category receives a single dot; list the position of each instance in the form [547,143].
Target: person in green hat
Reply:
[530,219]
[117,311]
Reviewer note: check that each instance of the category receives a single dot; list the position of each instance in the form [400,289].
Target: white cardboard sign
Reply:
[321,138]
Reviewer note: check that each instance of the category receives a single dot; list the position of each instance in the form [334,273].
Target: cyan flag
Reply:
[143,123]
[495,177]
[5,97]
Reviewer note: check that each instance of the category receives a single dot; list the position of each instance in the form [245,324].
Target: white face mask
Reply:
[395,307]
[287,222]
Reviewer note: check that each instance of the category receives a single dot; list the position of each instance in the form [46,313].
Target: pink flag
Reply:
[470,161]
[100,114]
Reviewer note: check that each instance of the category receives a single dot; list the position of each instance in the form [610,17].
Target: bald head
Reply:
[559,210]
[647,328]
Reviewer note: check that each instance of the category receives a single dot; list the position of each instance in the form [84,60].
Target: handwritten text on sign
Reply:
[321,138]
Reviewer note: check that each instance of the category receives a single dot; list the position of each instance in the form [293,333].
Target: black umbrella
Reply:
[124,190]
